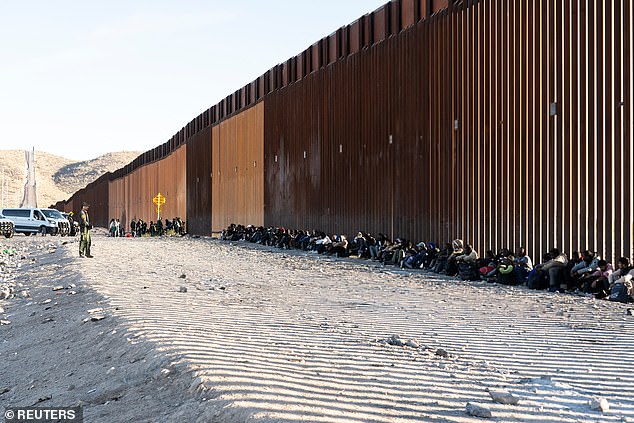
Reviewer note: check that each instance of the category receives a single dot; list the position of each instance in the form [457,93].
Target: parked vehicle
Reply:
[30,221]
[63,227]
[7,228]
[74,226]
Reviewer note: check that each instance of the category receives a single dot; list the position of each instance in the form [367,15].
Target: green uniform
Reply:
[84,227]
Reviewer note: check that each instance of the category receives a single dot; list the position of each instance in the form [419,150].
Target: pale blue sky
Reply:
[82,78]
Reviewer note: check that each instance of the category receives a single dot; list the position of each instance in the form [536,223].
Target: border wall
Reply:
[504,123]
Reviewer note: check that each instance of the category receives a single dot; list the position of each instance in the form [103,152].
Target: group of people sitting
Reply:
[175,226]
[115,228]
[584,272]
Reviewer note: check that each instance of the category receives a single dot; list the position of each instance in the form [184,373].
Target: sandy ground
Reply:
[275,336]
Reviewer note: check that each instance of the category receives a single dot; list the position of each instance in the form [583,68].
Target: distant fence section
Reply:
[504,123]
[130,197]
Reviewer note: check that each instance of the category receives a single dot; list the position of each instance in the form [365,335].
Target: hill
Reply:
[57,177]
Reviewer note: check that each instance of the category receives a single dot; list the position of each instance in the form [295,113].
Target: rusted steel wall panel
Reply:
[116,200]
[438,5]
[355,37]
[238,170]
[379,25]
[198,183]
[408,13]
[333,50]
[172,183]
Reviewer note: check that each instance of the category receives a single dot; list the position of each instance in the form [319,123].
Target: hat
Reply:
[421,244]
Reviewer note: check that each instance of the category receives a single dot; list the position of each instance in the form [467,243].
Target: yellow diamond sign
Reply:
[159,200]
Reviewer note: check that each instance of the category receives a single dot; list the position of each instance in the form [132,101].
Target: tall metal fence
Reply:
[543,102]
[504,123]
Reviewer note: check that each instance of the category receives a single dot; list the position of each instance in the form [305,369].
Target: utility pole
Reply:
[30,186]
[2,196]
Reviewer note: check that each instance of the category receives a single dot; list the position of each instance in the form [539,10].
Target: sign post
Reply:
[159,200]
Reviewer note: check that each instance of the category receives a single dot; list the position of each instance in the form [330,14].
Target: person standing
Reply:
[84,227]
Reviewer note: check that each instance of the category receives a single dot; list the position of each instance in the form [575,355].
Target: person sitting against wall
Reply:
[359,246]
[387,250]
[452,264]
[415,257]
[395,252]
[469,255]
[619,286]
[554,269]
[305,240]
[487,264]
[406,250]
[370,242]
[267,236]
[575,258]
[500,269]
[228,232]
[377,246]
[522,266]
[468,264]
[538,279]
[323,244]
[311,244]
[282,238]
[588,264]
[430,256]
[339,247]
[440,264]
[296,241]
[388,254]
[597,281]
[255,235]
[179,226]
[144,227]
[249,233]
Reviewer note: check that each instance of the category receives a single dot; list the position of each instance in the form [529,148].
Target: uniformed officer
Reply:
[84,227]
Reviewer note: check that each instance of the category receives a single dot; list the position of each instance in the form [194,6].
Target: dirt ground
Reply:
[199,330]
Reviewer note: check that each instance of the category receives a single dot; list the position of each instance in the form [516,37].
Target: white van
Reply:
[29,221]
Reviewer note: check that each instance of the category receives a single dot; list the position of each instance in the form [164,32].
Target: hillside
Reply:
[57,177]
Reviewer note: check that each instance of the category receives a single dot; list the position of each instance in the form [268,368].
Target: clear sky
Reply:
[83,78]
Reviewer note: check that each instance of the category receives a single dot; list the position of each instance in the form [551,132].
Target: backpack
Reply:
[537,280]
[468,272]
[620,292]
